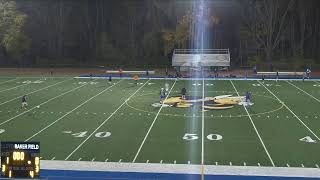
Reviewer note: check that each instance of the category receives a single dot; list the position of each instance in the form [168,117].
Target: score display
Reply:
[20,159]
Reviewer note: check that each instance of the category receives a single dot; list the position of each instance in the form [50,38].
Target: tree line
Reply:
[145,32]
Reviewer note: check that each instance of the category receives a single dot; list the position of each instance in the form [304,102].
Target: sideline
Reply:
[180,168]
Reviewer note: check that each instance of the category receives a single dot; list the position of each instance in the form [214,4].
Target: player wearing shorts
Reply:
[24,103]
[248,97]
[166,92]
[183,93]
[308,72]
[136,78]
[162,95]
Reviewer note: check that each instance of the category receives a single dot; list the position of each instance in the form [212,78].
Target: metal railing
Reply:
[201,51]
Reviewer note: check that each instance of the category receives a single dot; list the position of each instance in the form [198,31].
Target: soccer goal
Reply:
[193,58]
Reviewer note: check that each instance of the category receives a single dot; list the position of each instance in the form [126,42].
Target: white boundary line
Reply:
[42,104]
[154,120]
[290,110]
[254,126]
[8,81]
[179,168]
[173,78]
[15,87]
[34,91]
[71,111]
[304,91]
[114,112]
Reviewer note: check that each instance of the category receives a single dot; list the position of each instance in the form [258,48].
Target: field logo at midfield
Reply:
[210,103]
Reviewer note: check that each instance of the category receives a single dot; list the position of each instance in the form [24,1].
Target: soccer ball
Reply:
[38,106]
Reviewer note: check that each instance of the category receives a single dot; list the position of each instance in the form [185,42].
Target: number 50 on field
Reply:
[210,137]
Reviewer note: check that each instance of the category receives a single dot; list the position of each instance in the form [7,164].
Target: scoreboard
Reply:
[20,159]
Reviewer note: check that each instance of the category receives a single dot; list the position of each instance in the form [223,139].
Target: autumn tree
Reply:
[12,34]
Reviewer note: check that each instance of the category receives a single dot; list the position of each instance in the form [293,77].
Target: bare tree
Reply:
[266,21]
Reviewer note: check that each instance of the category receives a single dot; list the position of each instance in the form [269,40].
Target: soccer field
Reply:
[98,120]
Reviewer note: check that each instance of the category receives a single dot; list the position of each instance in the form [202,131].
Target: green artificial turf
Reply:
[98,120]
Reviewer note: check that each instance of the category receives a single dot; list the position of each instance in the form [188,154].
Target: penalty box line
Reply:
[114,112]
[255,128]
[146,136]
[290,110]
[71,111]
[303,91]
[35,91]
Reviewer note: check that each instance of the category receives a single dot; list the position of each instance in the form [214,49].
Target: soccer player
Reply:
[277,76]
[248,97]
[136,78]
[162,95]
[216,72]
[24,102]
[254,69]
[110,79]
[166,86]
[183,93]
[308,72]
[120,72]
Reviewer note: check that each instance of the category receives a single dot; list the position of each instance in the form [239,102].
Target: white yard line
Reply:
[290,111]
[42,104]
[9,80]
[202,123]
[15,87]
[154,120]
[256,130]
[35,91]
[303,91]
[114,112]
[71,111]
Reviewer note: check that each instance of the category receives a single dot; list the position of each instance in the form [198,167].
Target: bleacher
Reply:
[201,57]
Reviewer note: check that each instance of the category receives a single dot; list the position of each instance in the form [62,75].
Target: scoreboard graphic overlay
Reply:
[20,159]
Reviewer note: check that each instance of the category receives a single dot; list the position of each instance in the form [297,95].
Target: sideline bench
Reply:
[129,72]
[281,74]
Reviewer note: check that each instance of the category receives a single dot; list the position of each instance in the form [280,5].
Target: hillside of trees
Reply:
[145,32]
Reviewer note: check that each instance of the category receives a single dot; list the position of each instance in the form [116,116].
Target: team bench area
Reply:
[281,74]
